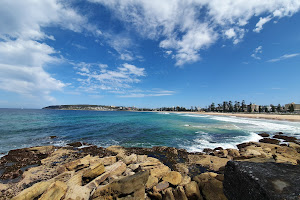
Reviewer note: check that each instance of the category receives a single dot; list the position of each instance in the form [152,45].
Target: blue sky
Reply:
[148,53]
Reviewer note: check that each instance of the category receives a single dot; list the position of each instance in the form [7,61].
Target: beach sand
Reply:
[295,118]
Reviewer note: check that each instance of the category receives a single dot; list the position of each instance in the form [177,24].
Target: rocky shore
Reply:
[268,169]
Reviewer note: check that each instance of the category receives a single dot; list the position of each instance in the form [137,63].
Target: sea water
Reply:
[21,128]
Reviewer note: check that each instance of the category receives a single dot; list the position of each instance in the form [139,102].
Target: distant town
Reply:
[225,107]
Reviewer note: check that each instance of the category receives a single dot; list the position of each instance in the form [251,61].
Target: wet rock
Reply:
[192,191]
[218,148]
[56,191]
[285,138]
[173,177]
[264,134]
[246,180]
[269,140]
[52,136]
[208,150]
[75,144]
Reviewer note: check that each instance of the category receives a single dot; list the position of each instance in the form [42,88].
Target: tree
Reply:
[243,106]
[279,108]
[212,106]
[249,109]
[272,108]
[230,106]
[291,108]
[260,109]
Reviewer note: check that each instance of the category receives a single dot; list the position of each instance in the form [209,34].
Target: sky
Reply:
[148,53]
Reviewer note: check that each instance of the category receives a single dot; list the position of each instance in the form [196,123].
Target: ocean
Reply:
[21,128]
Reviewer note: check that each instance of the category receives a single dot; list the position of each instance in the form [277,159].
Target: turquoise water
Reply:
[25,128]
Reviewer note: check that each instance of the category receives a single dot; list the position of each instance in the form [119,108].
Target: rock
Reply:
[79,163]
[75,144]
[152,181]
[52,136]
[179,193]
[210,162]
[208,150]
[269,140]
[159,171]
[220,177]
[33,191]
[218,148]
[116,149]
[185,180]
[133,166]
[233,153]
[168,194]
[42,149]
[93,172]
[251,153]
[173,177]
[155,195]
[286,138]
[116,169]
[130,159]
[141,158]
[213,190]
[161,186]
[77,192]
[55,192]
[182,168]
[246,180]
[264,134]
[192,191]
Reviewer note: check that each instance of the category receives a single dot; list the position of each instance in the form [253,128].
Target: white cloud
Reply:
[286,56]
[147,93]
[95,79]
[256,53]
[261,22]
[23,53]
[178,27]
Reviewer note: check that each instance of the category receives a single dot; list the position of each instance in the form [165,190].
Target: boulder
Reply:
[161,186]
[78,164]
[210,162]
[192,191]
[130,159]
[109,160]
[179,193]
[152,181]
[55,192]
[269,140]
[264,134]
[155,195]
[185,180]
[173,177]
[93,172]
[233,153]
[42,149]
[182,168]
[116,169]
[213,190]
[168,194]
[247,180]
[77,192]
[75,144]
[159,171]
[285,138]
[116,149]
[33,191]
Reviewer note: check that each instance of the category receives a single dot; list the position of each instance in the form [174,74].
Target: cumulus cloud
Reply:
[95,77]
[286,56]
[189,26]
[23,53]
[256,53]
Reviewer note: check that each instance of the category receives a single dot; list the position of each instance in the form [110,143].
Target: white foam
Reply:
[163,113]
[194,115]
[186,125]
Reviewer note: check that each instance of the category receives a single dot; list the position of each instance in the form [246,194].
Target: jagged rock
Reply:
[213,190]
[246,180]
[152,181]
[79,164]
[285,138]
[109,160]
[116,149]
[269,140]
[55,192]
[75,144]
[221,153]
[130,159]
[141,158]
[208,150]
[233,153]
[192,191]
[161,186]
[77,192]
[182,168]
[42,149]
[34,191]
[179,193]
[93,172]
[133,166]
[155,195]
[264,134]
[168,194]
[117,168]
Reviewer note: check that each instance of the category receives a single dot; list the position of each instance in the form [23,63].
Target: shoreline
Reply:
[292,118]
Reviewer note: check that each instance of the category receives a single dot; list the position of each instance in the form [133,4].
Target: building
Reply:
[253,108]
[296,107]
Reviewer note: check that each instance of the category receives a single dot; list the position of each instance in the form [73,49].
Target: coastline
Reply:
[293,118]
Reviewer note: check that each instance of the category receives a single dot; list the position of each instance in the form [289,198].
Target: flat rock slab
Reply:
[247,180]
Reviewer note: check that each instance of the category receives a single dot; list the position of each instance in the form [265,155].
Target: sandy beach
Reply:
[295,118]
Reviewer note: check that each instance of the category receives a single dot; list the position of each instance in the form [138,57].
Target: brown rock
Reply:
[264,134]
[79,163]
[182,168]
[221,153]
[77,192]
[173,177]
[161,186]
[116,169]
[210,162]
[109,160]
[213,190]
[42,149]
[33,191]
[116,149]
[130,159]
[192,191]
[152,181]
[179,193]
[159,171]
[55,192]
[141,158]
[75,144]
[286,138]
[233,153]
[168,194]
[93,172]
[269,140]
[185,180]
[155,195]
